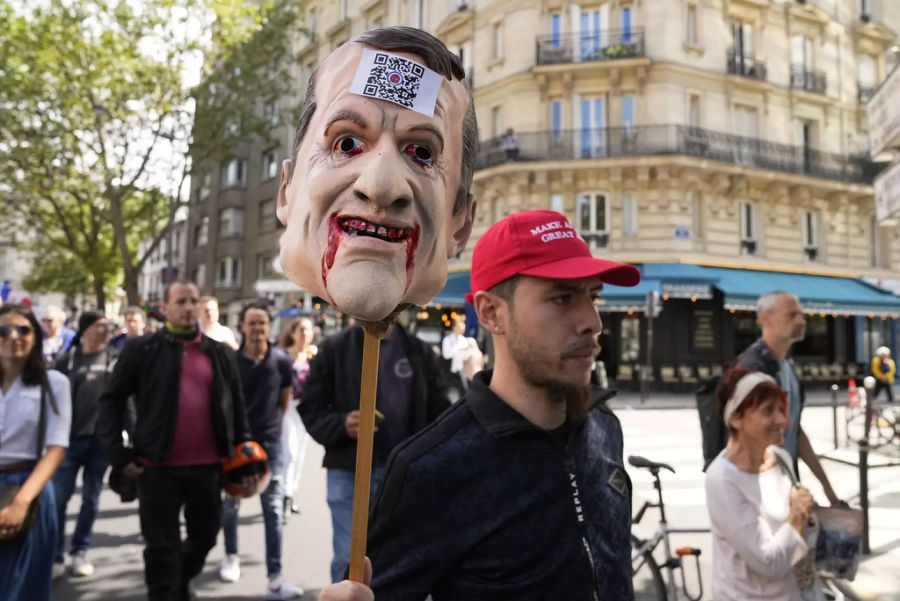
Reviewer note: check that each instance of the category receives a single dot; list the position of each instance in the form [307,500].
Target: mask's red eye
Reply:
[420,153]
[347,146]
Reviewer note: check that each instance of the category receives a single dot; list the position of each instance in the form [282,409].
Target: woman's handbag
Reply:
[839,536]
[8,493]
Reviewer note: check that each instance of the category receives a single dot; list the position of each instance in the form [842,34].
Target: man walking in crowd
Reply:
[884,369]
[134,327]
[189,415]
[57,337]
[209,323]
[519,492]
[265,372]
[781,319]
[411,393]
[88,364]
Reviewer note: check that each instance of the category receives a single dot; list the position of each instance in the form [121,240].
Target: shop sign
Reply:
[887,192]
[682,290]
[883,114]
[682,232]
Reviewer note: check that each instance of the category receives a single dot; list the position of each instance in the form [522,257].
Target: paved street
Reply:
[668,435]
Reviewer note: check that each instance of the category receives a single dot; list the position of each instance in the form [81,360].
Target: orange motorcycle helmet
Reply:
[249,460]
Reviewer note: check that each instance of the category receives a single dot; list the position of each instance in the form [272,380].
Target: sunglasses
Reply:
[7,330]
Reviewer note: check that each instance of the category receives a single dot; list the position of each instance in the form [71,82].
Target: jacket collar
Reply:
[497,417]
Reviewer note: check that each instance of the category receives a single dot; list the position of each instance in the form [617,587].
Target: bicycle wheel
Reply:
[645,574]
[881,428]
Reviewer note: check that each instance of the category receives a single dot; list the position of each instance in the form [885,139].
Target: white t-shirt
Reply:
[19,414]
[456,348]
[222,334]
[754,547]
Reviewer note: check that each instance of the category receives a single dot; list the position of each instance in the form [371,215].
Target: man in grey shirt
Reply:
[781,319]
[88,364]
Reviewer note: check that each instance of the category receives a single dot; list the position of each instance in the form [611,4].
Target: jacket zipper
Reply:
[579,514]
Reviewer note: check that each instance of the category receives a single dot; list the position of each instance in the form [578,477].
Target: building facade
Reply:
[161,267]
[700,139]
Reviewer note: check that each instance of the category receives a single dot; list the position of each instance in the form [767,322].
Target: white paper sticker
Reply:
[396,79]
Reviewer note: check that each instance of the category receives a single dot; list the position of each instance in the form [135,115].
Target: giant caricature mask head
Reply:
[377,198]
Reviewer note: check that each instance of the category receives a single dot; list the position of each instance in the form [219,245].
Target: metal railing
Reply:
[661,140]
[605,45]
[745,66]
[811,81]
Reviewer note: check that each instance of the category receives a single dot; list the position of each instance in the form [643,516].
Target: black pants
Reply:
[879,386]
[169,562]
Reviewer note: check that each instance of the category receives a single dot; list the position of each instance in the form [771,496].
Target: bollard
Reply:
[864,493]
[834,411]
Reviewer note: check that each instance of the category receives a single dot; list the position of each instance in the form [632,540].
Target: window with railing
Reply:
[592,219]
[590,44]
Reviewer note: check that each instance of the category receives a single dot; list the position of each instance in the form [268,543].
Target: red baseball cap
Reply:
[540,244]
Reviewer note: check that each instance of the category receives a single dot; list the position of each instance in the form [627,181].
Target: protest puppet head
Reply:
[377,197]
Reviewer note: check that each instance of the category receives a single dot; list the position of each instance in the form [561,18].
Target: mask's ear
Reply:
[287,174]
[462,225]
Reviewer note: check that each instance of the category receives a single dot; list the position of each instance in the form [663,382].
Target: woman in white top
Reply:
[758,518]
[29,397]
[298,341]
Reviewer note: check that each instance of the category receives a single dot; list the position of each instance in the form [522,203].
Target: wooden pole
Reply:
[364,443]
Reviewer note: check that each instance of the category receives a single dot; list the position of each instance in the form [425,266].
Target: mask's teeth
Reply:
[370,228]
[382,231]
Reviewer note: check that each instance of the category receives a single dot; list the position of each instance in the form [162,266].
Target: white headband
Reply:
[744,387]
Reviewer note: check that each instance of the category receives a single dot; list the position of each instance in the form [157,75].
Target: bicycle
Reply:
[883,426]
[646,572]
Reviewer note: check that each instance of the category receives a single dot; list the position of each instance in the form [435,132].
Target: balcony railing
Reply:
[745,66]
[594,46]
[662,140]
[863,93]
[811,81]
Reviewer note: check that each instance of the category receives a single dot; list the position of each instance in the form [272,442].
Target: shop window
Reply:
[630,340]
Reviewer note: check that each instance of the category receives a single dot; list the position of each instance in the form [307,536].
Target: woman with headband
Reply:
[758,517]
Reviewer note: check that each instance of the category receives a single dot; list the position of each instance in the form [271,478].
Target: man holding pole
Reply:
[519,491]
[376,199]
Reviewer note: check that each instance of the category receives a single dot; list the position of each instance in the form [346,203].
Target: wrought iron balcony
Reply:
[586,47]
[663,140]
[745,66]
[863,93]
[811,81]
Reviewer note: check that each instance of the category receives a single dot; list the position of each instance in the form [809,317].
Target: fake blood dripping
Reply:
[334,242]
[412,243]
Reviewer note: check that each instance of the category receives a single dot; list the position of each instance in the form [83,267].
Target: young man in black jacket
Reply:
[189,416]
[519,492]
[412,392]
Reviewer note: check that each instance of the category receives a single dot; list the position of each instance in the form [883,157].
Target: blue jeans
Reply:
[272,500]
[84,454]
[340,500]
[26,565]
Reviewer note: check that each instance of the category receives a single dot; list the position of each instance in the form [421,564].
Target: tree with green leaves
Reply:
[97,119]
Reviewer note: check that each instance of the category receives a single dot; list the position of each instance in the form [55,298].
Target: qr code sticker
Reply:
[395,79]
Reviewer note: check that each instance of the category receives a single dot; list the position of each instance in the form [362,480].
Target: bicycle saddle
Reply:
[637,461]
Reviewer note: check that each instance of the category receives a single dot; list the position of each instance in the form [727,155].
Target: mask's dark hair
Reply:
[35,372]
[760,394]
[437,58]
[261,305]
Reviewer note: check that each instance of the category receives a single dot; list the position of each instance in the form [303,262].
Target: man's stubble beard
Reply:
[538,372]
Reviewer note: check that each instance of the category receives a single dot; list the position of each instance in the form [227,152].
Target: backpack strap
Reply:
[42,419]
[785,466]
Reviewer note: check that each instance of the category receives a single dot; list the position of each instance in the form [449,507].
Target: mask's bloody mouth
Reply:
[340,226]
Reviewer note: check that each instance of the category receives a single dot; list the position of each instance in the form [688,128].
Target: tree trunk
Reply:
[99,292]
[131,285]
